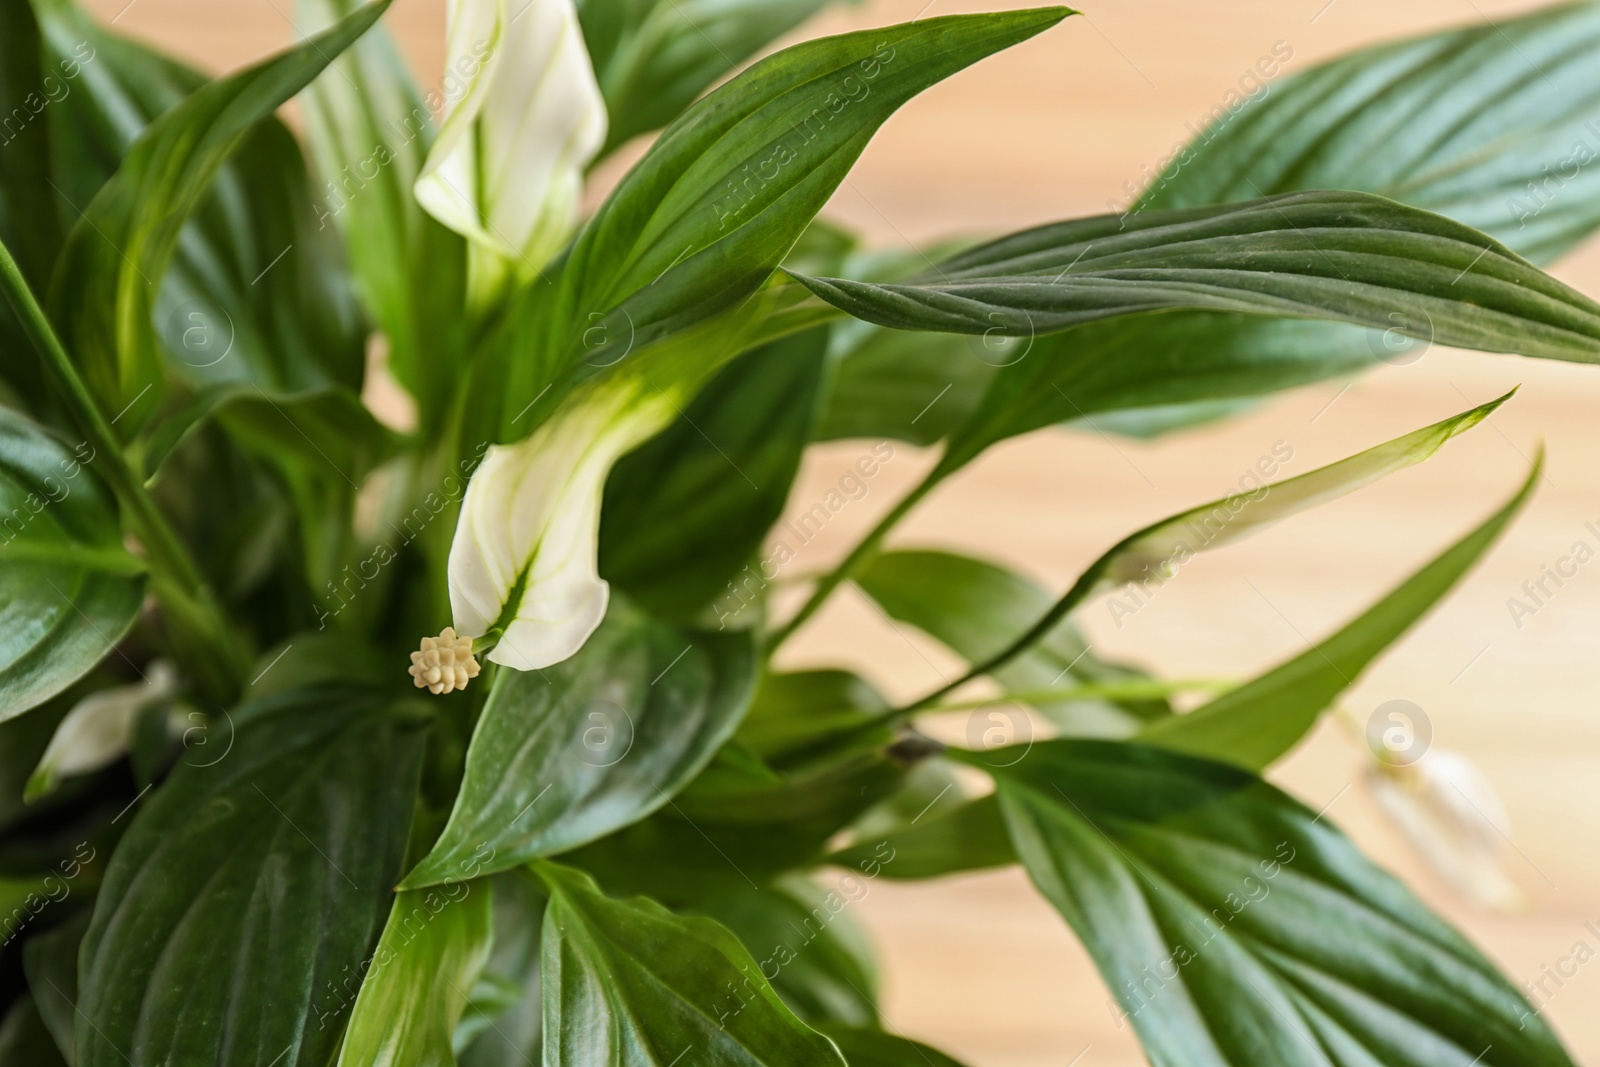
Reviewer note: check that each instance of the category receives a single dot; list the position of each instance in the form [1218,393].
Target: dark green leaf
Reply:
[653,57]
[716,204]
[51,961]
[629,984]
[1235,926]
[976,608]
[501,1028]
[69,591]
[809,948]
[687,511]
[245,891]
[416,988]
[24,1041]
[104,288]
[563,756]
[874,1048]
[909,386]
[1258,722]
[1505,148]
[971,837]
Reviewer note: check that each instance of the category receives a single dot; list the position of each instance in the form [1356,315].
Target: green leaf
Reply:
[971,837]
[975,608]
[417,985]
[1340,256]
[69,591]
[653,57]
[906,385]
[501,1027]
[683,514]
[863,1047]
[51,962]
[698,225]
[795,710]
[1262,720]
[1506,150]
[629,984]
[1234,925]
[245,891]
[116,254]
[370,128]
[804,935]
[29,86]
[563,756]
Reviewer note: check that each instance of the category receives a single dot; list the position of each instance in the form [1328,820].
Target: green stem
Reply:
[863,554]
[1132,689]
[179,582]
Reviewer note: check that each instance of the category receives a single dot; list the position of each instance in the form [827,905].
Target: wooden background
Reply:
[979,965]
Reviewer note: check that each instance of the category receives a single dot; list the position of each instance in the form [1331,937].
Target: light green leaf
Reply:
[629,984]
[416,988]
[685,512]
[1234,925]
[69,591]
[563,756]
[370,127]
[689,233]
[501,1027]
[804,934]
[1260,721]
[244,892]
[104,285]
[795,710]
[975,607]
[906,385]
[653,57]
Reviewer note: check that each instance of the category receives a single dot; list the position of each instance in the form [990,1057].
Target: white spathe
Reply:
[523,117]
[1446,808]
[99,728]
[531,519]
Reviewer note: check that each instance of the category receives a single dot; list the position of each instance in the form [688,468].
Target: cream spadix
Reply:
[524,558]
[524,118]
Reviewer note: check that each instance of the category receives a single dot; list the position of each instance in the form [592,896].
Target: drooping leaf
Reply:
[865,1047]
[569,754]
[69,591]
[1234,925]
[246,891]
[417,986]
[653,57]
[1506,150]
[103,295]
[699,224]
[370,127]
[1260,721]
[976,607]
[629,984]
[971,837]
[804,936]
[687,511]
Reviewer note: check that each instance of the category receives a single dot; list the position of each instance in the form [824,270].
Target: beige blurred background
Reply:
[979,965]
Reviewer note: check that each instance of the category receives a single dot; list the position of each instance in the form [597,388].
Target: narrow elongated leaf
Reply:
[653,57]
[117,253]
[413,994]
[976,607]
[971,837]
[69,591]
[629,984]
[703,219]
[255,289]
[1506,150]
[1261,720]
[245,892]
[370,128]
[864,1047]
[1349,257]
[804,936]
[1234,925]
[686,512]
[563,756]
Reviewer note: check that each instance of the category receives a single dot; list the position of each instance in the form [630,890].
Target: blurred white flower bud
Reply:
[97,731]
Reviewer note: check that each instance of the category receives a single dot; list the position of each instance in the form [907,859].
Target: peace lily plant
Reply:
[591,822]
